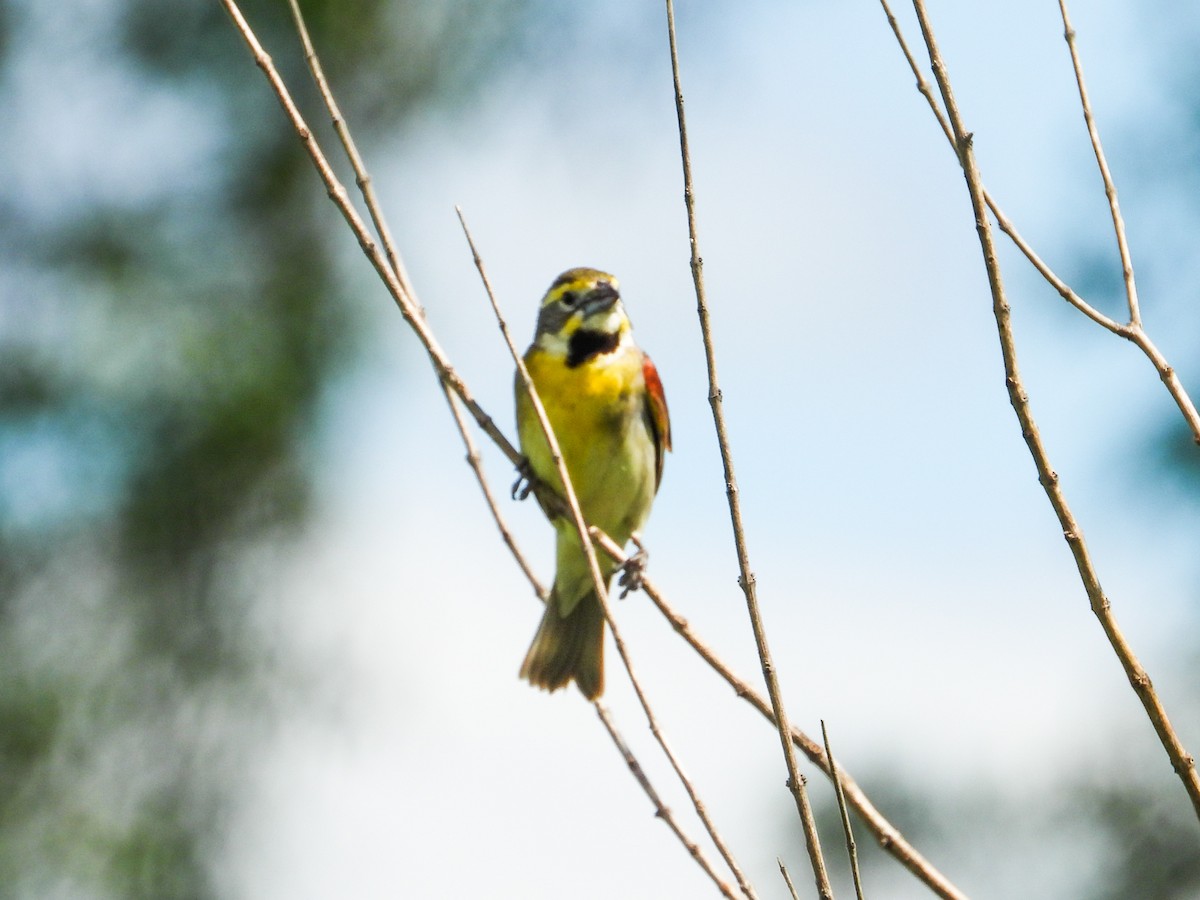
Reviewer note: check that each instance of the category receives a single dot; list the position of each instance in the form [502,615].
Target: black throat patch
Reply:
[586,345]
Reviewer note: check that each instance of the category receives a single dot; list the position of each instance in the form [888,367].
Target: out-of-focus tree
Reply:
[168,320]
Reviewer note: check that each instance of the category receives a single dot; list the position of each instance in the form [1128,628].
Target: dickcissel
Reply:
[605,402]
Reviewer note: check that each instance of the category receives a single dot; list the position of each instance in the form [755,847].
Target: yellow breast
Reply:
[597,412]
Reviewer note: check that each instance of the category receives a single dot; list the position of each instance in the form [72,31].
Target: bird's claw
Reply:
[523,486]
[633,572]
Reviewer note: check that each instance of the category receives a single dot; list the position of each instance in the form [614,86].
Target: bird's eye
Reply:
[569,298]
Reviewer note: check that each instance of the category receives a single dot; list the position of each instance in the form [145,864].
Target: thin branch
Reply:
[851,848]
[569,495]
[586,536]
[885,833]
[922,84]
[787,879]
[661,810]
[1181,760]
[1110,189]
[366,188]
[365,185]
[1005,223]
[746,577]
[1133,331]
[405,300]
[476,465]
[1170,378]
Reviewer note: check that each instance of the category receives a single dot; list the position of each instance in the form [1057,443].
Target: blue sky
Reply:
[915,586]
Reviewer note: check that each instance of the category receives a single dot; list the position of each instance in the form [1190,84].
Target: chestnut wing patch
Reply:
[656,415]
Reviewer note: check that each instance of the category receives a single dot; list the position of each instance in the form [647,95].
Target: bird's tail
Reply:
[568,647]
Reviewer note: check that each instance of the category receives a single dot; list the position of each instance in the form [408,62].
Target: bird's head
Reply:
[582,315]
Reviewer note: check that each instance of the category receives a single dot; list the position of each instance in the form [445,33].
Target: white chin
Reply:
[608,322]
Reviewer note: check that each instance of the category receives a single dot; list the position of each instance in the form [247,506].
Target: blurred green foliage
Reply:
[169,318]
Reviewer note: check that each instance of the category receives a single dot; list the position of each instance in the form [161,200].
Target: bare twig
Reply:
[851,849]
[887,835]
[556,456]
[361,177]
[1110,189]
[405,300]
[586,536]
[1005,223]
[1170,378]
[365,185]
[474,462]
[787,879]
[661,810]
[1132,331]
[1181,760]
[746,576]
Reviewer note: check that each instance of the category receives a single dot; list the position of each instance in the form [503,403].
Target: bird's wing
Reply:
[656,414]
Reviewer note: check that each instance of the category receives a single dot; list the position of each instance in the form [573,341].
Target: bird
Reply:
[605,402]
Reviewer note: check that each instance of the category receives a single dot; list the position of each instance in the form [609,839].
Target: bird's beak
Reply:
[600,299]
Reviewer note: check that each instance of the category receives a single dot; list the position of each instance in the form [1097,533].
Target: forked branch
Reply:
[1181,760]
[1110,189]
[1131,331]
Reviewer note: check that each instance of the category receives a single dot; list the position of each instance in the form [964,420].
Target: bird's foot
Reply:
[633,572]
[523,486]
